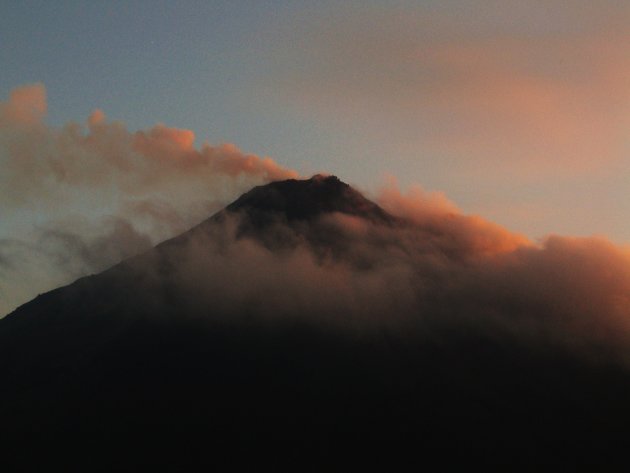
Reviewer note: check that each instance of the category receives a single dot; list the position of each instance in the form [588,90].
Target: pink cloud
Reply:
[39,159]
[26,106]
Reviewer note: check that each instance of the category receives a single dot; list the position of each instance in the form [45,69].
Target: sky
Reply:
[518,111]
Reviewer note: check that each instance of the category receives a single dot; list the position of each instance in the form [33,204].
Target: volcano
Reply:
[265,338]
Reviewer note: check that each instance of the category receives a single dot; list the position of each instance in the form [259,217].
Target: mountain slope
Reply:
[264,338]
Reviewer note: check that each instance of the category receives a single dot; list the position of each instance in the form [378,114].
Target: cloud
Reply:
[443,219]
[40,160]
[26,106]
[104,176]
[435,272]
[59,252]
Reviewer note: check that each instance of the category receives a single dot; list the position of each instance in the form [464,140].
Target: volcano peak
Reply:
[307,198]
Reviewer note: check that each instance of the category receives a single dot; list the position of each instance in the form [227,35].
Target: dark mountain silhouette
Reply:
[155,364]
[303,200]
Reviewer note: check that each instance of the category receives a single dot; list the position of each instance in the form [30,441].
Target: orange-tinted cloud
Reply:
[39,159]
[26,106]
[442,218]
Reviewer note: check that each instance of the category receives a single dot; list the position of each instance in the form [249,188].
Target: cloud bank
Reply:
[432,274]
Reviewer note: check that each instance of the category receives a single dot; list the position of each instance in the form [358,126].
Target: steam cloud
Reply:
[41,160]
